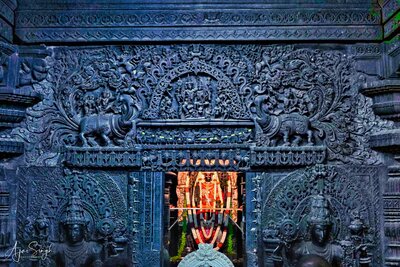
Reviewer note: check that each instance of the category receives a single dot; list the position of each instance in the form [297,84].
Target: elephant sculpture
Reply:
[290,129]
[107,125]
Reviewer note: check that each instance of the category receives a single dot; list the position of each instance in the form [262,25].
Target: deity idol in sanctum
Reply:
[208,193]
[209,200]
[76,251]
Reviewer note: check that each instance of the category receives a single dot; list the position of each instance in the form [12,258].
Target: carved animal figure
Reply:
[291,128]
[104,126]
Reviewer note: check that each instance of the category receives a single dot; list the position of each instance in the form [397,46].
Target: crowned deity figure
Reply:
[76,251]
[209,192]
[320,251]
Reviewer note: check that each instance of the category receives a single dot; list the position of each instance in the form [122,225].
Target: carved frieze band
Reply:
[190,158]
[389,8]
[197,34]
[178,22]
[7,12]
[367,50]
[103,18]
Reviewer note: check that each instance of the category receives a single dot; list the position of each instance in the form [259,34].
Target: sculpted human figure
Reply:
[319,250]
[76,251]
[89,105]
[104,102]
[320,229]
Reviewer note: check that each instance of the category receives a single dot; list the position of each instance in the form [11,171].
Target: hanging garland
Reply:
[229,242]
[182,242]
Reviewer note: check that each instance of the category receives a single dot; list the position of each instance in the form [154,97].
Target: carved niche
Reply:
[280,105]
[345,202]
[56,201]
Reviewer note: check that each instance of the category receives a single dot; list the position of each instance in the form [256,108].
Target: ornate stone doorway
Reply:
[113,119]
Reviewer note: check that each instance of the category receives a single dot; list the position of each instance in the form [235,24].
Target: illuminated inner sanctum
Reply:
[207,209]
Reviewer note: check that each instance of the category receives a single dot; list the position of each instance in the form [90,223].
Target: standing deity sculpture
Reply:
[209,192]
[76,251]
[320,248]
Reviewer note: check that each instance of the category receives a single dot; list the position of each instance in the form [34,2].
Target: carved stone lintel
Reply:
[189,157]
[125,96]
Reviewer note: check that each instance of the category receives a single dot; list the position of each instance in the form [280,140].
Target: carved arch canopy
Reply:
[176,107]
[197,74]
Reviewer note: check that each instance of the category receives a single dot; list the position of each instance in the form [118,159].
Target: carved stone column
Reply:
[20,69]
[5,233]
[392,216]
[386,103]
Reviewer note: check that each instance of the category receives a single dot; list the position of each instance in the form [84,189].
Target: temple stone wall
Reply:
[99,100]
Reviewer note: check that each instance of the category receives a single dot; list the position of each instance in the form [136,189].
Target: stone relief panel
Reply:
[260,97]
[324,214]
[81,218]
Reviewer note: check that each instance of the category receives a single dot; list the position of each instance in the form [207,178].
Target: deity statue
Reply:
[209,192]
[319,250]
[41,228]
[104,102]
[89,105]
[76,251]
[320,229]
[209,219]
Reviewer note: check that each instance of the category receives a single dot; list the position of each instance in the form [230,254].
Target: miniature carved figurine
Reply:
[32,71]
[89,105]
[41,228]
[76,251]
[320,228]
[104,102]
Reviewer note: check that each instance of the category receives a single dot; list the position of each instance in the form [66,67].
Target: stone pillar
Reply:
[391,202]
[20,69]
[149,223]
[252,219]
[385,95]
[5,231]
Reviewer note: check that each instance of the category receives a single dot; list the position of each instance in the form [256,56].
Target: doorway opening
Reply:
[205,207]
